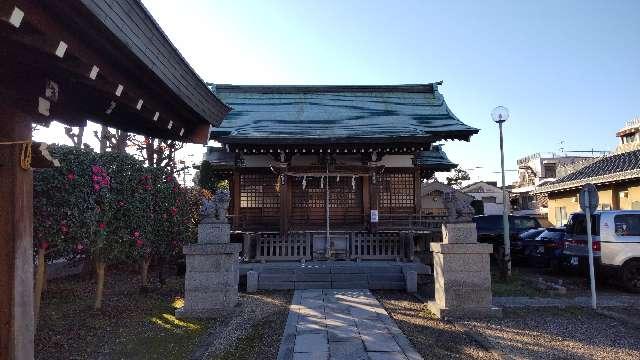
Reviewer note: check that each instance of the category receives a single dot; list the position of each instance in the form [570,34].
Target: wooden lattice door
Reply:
[309,204]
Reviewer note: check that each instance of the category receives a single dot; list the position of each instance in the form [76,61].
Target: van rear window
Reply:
[578,225]
[627,224]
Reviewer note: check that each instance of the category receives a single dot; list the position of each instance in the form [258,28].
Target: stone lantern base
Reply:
[462,274]
[211,280]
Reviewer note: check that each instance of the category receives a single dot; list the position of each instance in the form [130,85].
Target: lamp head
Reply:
[500,114]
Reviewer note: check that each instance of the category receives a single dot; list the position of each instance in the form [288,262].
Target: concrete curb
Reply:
[620,317]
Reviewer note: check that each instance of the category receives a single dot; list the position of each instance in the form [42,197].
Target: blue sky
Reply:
[567,70]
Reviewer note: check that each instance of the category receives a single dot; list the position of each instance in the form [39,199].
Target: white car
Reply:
[616,244]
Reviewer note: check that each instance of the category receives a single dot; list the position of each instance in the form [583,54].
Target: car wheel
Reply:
[631,276]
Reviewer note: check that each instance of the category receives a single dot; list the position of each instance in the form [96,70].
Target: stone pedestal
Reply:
[213,233]
[462,274]
[211,279]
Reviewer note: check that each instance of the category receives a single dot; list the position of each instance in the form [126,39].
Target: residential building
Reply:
[537,170]
[434,194]
[616,177]
[489,193]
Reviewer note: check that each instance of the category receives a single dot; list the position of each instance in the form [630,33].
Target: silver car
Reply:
[616,244]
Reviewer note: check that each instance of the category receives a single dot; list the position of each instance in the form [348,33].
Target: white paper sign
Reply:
[374,216]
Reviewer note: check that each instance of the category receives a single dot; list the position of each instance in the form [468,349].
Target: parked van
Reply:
[616,244]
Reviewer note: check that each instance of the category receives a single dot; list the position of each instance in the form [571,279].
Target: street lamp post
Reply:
[500,114]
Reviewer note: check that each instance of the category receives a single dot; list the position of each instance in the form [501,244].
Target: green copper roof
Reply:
[304,114]
[435,158]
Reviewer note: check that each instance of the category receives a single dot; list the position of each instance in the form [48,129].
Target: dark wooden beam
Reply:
[235,195]
[16,260]
[417,190]
[366,201]
[101,64]
[285,203]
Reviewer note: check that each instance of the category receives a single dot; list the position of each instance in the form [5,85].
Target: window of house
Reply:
[549,170]
[627,224]
[561,216]
[489,199]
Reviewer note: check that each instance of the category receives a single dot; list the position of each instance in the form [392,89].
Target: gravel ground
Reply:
[250,331]
[432,338]
[570,333]
[135,325]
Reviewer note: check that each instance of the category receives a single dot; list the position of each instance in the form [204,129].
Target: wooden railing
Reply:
[358,245]
[376,245]
[274,246]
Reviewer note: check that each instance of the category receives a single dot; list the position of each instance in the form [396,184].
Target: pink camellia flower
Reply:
[64,228]
[174,211]
[71,176]
[136,234]
[44,245]
[120,203]
[102,226]
[96,187]
[79,247]
[139,243]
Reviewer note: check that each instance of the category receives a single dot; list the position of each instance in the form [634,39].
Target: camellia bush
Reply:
[110,208]
[63,209]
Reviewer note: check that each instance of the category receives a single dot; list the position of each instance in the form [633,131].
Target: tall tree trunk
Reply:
[150,150]
[79,137]
[146,261]
[161,278]
[102,139]
[100,268]
[40,283]
[76,139]
[121,141]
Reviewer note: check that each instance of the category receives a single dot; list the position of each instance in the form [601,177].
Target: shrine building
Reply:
[319,172]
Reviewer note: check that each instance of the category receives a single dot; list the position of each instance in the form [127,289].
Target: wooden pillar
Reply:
[373,190]
[417,190]
[285,189]
[16,227]
[235,192]
[366,201]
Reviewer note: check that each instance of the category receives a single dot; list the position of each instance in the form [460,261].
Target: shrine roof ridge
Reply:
[292,89]
[337,113]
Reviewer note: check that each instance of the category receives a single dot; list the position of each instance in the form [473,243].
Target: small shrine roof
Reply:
[338,114]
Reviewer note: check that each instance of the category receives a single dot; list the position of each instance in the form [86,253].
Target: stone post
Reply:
[211,279]
[252,281]
[462,274]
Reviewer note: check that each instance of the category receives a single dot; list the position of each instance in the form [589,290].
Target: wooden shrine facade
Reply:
[267,201]
[330,162]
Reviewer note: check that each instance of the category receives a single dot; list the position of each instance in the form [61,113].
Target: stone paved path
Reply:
[347,324]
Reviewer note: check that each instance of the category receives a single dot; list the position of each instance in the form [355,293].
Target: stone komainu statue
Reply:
[215,209]
[458,208]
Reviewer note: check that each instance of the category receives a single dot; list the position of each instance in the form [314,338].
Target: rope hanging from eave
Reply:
[25,154]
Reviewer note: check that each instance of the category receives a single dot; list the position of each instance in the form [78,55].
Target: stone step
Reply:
[290,285]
